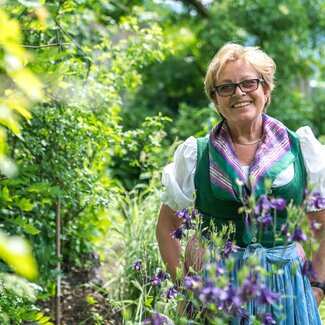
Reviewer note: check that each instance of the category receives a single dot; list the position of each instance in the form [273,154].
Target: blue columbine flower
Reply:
[178,233]
[316,201]
[137,265]
[309,270]
[182,213]
[250,287]
[156,319]
[265,220]
[155,281]
[171,293]
[278,204]
[162,275]
[298,235]
[192,282]
[263,204]
[229,248]
[187,223]
[266,296]
[268,319]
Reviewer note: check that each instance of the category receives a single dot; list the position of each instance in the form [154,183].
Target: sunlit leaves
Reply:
[21,86]
[17,253]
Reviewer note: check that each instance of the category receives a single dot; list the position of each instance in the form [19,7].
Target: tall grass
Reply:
[132,238]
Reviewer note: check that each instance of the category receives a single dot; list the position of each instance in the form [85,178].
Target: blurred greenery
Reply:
[96,95]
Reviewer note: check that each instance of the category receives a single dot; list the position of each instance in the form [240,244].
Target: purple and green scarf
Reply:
[275,153]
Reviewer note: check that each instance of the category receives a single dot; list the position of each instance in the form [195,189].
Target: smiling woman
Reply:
[217,174]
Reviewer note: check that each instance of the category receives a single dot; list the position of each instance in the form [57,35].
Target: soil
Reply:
[82,302]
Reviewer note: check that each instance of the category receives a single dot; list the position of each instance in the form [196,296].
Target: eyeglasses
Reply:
[245,86]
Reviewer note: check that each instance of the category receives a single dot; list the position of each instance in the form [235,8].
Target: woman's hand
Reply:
[319,295]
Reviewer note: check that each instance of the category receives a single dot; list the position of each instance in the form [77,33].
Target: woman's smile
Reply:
[240,104]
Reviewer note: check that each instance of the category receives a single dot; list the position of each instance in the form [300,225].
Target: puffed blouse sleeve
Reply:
[178,177]
[314,158]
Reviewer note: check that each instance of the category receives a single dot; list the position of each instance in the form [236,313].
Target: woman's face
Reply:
[241,106]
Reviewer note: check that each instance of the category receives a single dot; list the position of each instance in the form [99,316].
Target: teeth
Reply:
[241,104]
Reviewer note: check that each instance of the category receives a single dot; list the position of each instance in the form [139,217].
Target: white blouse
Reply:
[178,176]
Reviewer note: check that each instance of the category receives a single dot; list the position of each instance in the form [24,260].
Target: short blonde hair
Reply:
[260,61]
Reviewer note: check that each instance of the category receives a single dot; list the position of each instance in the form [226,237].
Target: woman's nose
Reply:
[238,92]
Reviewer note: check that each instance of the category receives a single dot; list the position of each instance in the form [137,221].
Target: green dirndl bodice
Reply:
[222,209]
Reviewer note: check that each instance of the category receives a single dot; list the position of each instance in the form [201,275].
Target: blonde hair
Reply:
[259,60]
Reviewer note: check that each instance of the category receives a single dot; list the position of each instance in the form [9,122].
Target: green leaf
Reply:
[5,194]
[25,204]
[44,320]
[148,301]
[31,230]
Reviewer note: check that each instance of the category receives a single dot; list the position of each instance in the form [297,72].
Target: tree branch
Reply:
[46,45]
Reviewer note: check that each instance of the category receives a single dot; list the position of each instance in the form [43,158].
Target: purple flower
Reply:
[155,281]
[265,220]
[249,288]
[210,293]
[298,235]
[187,224]
[192,282]
[178,233]
[268,319]
[309,270]
[137,265]
[162,275]
[155,319]
[229,248]
[263,204]
[278,204]
[171,293]
[316,201]
[266,296]
[182,213]
[234,297]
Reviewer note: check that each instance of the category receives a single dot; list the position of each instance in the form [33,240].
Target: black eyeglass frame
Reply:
[216,88]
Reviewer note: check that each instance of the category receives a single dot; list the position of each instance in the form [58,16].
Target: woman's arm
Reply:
[170,249]
[319,255]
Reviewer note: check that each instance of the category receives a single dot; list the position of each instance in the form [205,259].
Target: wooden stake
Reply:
[58,255]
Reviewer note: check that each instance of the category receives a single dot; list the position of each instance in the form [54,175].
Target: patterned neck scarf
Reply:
[274,154]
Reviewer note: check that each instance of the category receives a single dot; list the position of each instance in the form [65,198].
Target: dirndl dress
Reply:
[298,304]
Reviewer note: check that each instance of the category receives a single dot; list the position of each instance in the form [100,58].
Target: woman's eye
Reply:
[249,83]
[226,87]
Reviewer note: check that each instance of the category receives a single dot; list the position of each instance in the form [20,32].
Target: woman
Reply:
[249,146]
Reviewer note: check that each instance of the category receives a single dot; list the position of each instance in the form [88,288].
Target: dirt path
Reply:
[82,302]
